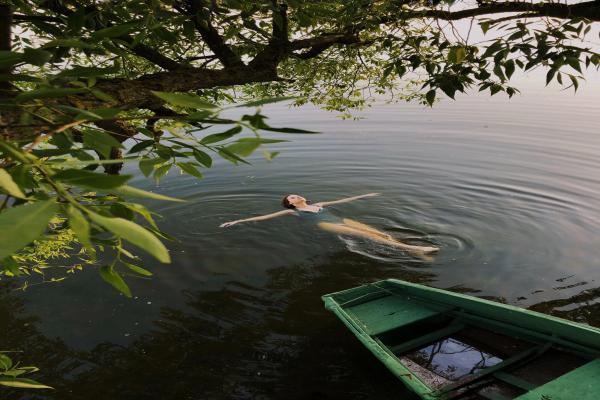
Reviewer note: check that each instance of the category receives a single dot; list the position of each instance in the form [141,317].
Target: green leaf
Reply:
[147,165]
[202,158]
[146,132]
[15,153]
[190,169]
[9,185]
[134,234]
[495,89]
[71,43]
[161,171]
[430,97]
[115,31]
[108,273]
[218,137]
[23,383]
[80,226]
[5,362]
[19,78]
[286,130]
[22,176]
[143,211]
[261,140]
[550,75]
[574,82]
[228,155]
[79,113]
[492,49]
[198,115]
[36,56]
[498,72]
[11,266]
[99,140]
[80,177]
[103,96]
[9,58]
[268,100]
[485,26]
[45,93]
[185,100]
[456,54]
[141,146]
[129,191]
[21,225]
[270,155]
[243,149]
[509,68]
[574,63]
[136,269]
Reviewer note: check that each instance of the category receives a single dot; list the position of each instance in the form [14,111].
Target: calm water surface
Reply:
[509,190]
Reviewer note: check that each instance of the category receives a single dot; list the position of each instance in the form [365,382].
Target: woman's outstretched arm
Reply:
[346,200]
[259,218]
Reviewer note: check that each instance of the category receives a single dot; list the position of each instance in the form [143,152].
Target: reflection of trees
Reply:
[427,358]
[19,334]
[586,310]
[583,307]
[239,342]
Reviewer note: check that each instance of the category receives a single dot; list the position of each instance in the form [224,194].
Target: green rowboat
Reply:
[446,345]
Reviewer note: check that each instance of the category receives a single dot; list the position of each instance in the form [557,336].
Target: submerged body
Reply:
[295,204]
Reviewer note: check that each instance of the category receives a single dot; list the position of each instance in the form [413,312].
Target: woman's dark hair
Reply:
[286,203]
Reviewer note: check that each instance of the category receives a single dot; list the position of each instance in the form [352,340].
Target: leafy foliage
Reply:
[96,211]
[11,375]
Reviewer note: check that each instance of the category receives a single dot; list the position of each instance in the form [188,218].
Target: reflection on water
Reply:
[240,341]
[510,192]
[452,359]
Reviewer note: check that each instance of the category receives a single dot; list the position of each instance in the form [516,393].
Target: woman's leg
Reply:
[351,231]
[367,228]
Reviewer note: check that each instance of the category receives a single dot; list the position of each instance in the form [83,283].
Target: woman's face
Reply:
[295,199]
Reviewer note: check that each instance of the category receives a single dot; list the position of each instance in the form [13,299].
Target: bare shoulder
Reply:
[286,211]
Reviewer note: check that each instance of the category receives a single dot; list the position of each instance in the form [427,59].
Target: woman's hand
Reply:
[228,224]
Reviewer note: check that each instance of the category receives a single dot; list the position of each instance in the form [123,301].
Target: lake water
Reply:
[510,191]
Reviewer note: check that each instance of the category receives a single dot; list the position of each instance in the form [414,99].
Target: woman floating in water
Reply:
[295,204]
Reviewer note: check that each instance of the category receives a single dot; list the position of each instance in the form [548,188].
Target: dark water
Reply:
[509,190]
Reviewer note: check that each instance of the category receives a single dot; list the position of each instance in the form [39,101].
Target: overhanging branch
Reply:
[589,10]
[215,42]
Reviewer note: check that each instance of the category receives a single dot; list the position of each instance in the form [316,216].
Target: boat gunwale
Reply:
[476,300]
[393,362]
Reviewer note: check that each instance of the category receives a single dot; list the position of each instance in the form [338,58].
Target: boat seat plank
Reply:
[515,381]
[582,383]
[494,396]
[384,314]
[426,339]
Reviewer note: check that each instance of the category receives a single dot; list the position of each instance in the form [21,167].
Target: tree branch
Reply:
[152,55]
[588,9]
[319,44]
[278,46]
[139,49]
[210,35]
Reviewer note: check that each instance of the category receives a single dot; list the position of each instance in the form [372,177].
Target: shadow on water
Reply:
[238,342]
